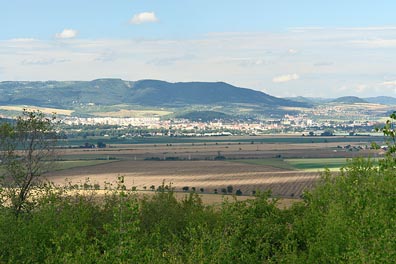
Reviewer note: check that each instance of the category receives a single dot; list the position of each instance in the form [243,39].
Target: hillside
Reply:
[310,100]
[204,116]
[349,100]
[144,92]
[385,100]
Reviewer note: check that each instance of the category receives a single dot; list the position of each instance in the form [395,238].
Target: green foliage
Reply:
[347,213]
[27,150]
[389,131]
[347,218]
[204,116]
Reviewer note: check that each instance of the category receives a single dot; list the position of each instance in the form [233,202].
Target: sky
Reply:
[285,48]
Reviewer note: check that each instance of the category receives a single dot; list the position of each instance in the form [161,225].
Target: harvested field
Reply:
[229,150]
[45,110]
[209,175]
[248,165]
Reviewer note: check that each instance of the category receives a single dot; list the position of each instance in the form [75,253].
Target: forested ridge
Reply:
[156,93]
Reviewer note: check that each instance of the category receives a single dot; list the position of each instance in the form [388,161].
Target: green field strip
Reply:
[70,164]
[317,164]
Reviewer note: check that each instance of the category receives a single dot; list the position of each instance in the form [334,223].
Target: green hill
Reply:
[349,100]
[204,116]
[144,92]
[385,100]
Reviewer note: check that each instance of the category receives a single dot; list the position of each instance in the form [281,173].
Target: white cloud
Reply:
[328,29]
[389,83]
[323,63]
[106,56]
[167,61]
[367,28]
[47,61]
[67,34]
[361,88]
[251,60]
[376,43]
[286,78]
[343,88]
[22,40]
[145,17]
[305,29]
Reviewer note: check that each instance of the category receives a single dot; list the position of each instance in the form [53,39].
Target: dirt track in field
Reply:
[209,175]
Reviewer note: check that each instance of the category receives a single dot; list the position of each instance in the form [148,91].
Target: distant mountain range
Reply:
[191,100]
[349,100]
[144,92]
[384,100]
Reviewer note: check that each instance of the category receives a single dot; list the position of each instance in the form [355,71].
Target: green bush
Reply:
[347,218]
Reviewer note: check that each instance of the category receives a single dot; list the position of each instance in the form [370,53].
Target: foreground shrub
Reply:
[349,218]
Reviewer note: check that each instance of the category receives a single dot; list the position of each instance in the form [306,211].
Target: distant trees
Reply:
[101,144]
[327,133]
[219,156]
[27,150]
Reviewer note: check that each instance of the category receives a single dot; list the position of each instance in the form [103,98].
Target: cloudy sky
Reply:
[283,47]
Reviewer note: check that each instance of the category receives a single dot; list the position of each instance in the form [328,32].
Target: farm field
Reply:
[45,110]
[209,175]
[230,140]
[287,169]
[273,162]
[68,164]
[230,150]
[333,164]
[309,164]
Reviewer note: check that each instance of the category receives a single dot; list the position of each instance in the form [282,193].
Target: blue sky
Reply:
[285,48]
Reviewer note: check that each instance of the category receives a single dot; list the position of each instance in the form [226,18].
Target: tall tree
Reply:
[27,148]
